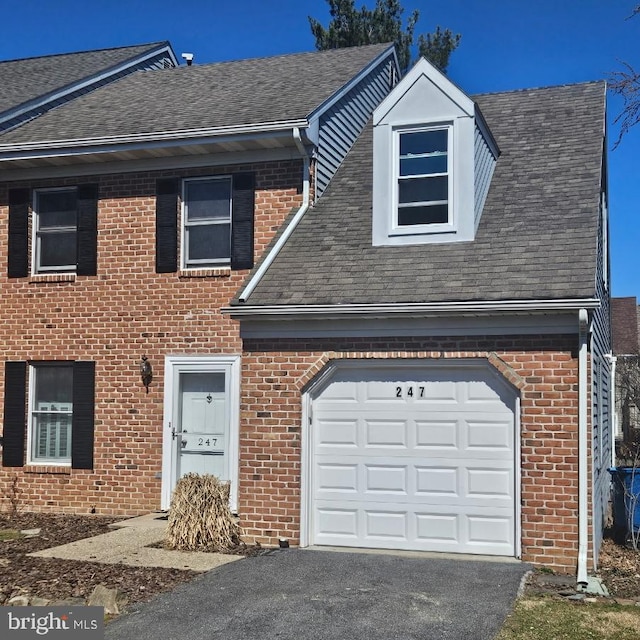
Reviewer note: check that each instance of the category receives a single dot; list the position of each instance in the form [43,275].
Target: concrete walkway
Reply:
[127,544]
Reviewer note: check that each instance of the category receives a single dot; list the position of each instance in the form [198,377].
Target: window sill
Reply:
[53,277]
[217,272]
[53,469]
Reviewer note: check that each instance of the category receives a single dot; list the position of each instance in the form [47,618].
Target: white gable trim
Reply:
[426,69]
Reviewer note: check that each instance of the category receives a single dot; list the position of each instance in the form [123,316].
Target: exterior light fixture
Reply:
[146,372]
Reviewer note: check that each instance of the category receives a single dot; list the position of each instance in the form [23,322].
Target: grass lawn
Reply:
[544,618]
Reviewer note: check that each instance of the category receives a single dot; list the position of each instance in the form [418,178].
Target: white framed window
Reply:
[55,229]
[423,177]
[206,222]
[50,413]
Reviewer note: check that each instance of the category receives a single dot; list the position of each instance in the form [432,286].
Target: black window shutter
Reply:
[167,225]
[242,221]
[82,424]
[15,418]
[18,263]
[87,237]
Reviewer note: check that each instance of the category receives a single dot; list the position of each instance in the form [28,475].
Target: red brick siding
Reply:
[114,318]
[543,368]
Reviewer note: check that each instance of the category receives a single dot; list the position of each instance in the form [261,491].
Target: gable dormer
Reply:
[433,158]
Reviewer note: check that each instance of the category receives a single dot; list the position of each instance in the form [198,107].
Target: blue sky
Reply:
[506,44]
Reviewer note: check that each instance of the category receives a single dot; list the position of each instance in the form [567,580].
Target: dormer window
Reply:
[423,177]
[433,158]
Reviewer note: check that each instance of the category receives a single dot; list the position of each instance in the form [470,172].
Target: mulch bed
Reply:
[619,568]
[57,580]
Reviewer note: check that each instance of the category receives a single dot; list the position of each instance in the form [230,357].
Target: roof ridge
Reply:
[148,45]
[289,55]
[542,88]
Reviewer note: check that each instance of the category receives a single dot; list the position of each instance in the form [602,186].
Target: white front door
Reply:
[201,420]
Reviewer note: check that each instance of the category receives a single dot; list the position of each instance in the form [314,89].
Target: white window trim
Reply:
[230,365]
[35,243]
[205,264]
[31,460]
[395,228]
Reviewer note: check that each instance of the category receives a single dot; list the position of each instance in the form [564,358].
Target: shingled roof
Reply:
[625,326]
[245,92]
[536,238]
[27,79]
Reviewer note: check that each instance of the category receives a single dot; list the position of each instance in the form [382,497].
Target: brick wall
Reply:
[544,369]
[114,318]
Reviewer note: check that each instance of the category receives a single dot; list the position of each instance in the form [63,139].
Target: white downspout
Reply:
[257,276]
[613,416]
[583,448]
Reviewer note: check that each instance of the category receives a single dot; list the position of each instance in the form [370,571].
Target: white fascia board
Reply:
[315,115]
[497,324]
[424,68]
[76,86]
[414,309]
[28,150]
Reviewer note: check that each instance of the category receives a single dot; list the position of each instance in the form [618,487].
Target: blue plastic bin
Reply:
[626,499]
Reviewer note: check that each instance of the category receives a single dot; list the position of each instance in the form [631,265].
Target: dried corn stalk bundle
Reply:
[199,516]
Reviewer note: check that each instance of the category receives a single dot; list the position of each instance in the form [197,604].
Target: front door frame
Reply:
[173,365]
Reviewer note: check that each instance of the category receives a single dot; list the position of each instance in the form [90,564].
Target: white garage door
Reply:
[414,457]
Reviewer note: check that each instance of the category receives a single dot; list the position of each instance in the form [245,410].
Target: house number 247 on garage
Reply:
[409,392]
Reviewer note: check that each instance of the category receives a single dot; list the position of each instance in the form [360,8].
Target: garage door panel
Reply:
[340,525]
[386,479]
[414,481]
[337,433]
[342,392]
[434,529]
[385,524]
[490,433]
[489,483]
[385,433]
[341,478]
[437,529]
[417,459]
[436,482]
[410,389]
[490,530]
[436,434]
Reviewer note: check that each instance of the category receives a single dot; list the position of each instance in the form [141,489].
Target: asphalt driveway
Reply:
[311,594]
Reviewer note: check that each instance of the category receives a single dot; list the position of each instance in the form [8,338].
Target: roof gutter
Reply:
[21,150]
[395,309]
[271,256]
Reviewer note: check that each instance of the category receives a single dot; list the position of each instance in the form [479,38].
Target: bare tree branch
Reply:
[626,83]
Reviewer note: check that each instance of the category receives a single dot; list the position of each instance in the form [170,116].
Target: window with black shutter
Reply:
[216,222]
[54,415]
[65,230]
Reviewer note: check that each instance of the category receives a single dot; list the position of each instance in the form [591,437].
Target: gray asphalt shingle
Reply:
[236,93]
[536,238]
[29,78]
